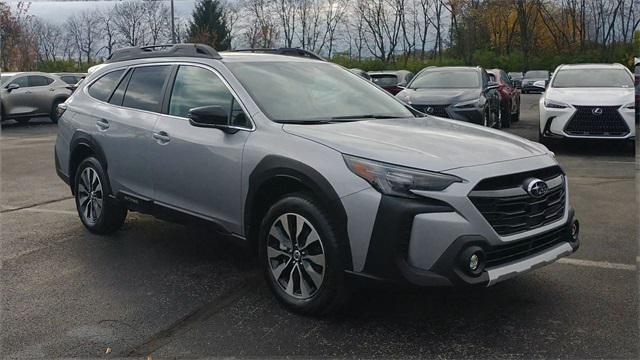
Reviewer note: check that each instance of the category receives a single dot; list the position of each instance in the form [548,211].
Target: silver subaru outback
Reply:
[323,174]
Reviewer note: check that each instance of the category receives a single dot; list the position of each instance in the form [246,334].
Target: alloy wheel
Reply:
[90,195]
[295,255]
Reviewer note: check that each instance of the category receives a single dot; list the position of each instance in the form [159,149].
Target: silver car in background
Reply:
[25,95]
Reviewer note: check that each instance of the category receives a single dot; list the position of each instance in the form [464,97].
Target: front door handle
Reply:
[162,137]
[102,124]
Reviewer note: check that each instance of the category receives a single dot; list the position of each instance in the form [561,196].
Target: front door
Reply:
[198,169]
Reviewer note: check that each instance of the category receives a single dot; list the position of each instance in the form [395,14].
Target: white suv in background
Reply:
[594,101]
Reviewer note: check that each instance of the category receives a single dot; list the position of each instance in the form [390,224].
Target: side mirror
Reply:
[540,84]
[211,116]
[492,85]
[12,87]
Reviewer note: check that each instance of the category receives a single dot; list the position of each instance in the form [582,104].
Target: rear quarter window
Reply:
[39,80]
[103,87]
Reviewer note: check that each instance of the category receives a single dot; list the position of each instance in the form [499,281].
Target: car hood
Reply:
[592,96]
[437,96]
[428,143]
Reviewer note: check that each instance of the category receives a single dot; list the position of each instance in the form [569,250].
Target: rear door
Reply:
[198,169]
[124,125]
[42,93]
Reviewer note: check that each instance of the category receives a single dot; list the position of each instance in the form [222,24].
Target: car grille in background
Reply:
[585,122]
[436,110]
[502,254]
[511,214]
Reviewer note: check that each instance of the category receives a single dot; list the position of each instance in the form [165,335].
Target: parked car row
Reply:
[25,95]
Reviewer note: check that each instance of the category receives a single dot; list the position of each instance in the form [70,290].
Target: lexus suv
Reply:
[588,101]
[456,92]
[31,94]
[324,175]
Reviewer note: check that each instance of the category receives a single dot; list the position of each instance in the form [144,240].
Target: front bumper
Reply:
[556,123]
[421,240]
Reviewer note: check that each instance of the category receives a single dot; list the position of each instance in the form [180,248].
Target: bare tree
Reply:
[128,18]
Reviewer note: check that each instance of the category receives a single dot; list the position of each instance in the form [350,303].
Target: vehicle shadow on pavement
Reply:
[594,148]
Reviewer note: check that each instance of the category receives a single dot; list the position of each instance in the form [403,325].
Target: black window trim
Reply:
[170,80]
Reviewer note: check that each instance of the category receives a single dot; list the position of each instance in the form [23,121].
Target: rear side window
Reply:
[71,80]
[39,80]
[103,88]
[144,91]
[196,87]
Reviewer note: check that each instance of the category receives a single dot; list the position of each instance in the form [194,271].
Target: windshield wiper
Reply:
[368,116]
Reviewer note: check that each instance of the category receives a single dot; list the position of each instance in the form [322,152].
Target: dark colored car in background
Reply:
[361,73]
[393,81]
[516,78]
[457,92]
[530,77]
[509,97]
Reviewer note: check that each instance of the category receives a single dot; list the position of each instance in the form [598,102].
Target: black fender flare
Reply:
[274,166]
[79,139]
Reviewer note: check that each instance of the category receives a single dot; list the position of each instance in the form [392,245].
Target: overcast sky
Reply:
[59,11]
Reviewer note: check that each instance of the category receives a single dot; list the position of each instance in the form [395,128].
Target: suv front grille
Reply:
[436,110]
[585,122]
[503,254]
[510,214]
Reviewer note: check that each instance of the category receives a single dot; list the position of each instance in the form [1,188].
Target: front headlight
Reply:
[550,104]
[397,180]
[468,104]
[631,106]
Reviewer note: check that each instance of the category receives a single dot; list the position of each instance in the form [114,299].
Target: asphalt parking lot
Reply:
[168,291]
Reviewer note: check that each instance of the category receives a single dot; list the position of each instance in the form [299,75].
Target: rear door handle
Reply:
[102,124]
[162,137]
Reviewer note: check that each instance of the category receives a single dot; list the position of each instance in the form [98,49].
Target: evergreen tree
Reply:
[209,25]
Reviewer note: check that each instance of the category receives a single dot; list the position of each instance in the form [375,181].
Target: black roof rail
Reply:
[285,51]
[169,50]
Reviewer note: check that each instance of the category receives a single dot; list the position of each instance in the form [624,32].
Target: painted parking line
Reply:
[53,211]
[598,264]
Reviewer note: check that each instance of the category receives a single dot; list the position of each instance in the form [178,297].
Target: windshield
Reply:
[450,79]
[592,78]
[4,78]
[515,75]
[309,91]
[541,74]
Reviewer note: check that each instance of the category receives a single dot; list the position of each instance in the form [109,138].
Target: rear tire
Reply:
[305,271]
[99,213]
[506,117]
[53,115]
[22,120]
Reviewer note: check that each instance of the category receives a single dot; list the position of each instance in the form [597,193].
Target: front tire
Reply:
[99,213]
[505,119]
[303,257]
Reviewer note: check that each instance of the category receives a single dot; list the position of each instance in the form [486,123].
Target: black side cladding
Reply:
[273,166]
[392,231]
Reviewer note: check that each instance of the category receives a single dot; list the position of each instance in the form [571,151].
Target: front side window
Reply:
[22,81]
[195,87]
[144,91]
[589,78]
[450,79]
[39,80]
[300,91]
[103,87]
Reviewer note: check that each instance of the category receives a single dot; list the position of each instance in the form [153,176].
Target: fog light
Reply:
[575,230]
[473,262]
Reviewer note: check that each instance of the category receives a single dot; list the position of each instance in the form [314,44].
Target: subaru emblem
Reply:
[536,187]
